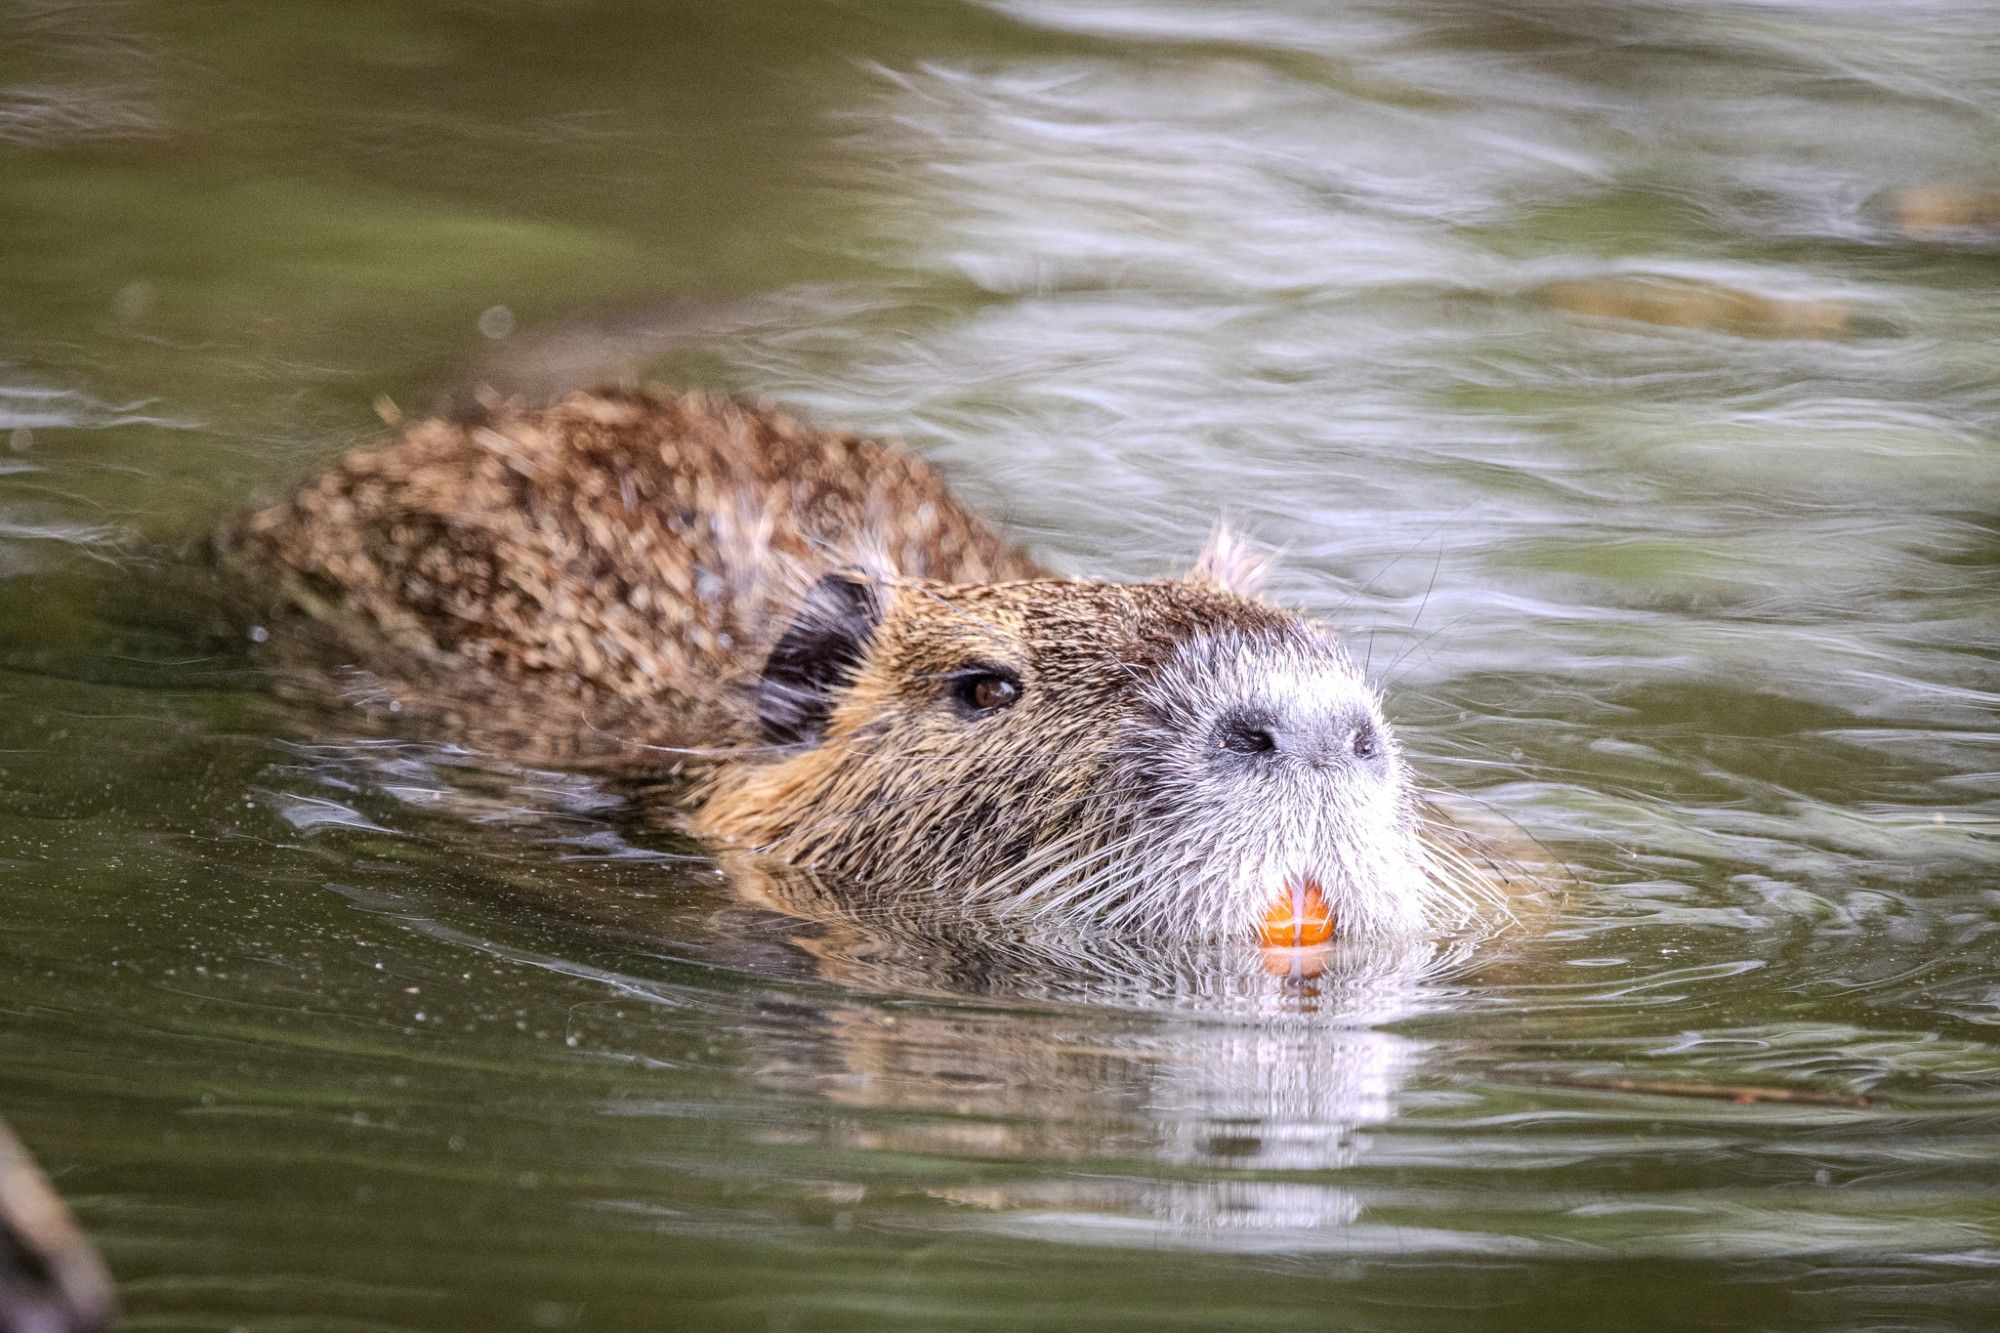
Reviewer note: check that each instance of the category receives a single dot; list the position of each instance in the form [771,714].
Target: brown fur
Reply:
[618,580]
[582,583]
[890,751]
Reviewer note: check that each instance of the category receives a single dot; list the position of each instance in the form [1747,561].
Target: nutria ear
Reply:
[817,655]
[1233,562]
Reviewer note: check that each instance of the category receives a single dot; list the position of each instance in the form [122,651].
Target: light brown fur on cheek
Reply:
[904,781]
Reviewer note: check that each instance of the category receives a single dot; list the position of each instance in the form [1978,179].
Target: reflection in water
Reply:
[1620,377]
[1234,1058]
[948,1040]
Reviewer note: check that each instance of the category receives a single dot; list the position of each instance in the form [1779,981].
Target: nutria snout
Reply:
[853,673]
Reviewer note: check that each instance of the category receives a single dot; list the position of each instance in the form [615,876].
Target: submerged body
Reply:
[853,672]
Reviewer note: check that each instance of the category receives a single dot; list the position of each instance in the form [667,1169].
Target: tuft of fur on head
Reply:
[1233,562]
[1104,793]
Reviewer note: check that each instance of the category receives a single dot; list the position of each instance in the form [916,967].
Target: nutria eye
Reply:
[982,692]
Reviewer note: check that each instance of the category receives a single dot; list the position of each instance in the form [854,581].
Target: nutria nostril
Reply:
[1315,738]
[1241,734]
[1351,737]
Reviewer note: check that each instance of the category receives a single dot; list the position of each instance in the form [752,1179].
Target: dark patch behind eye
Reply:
[819,653]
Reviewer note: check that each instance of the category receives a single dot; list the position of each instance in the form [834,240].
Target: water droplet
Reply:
[132,302]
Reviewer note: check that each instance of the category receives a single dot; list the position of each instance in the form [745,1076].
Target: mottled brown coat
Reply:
[603,576]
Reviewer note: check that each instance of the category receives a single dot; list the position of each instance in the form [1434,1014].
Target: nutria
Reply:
[849,670]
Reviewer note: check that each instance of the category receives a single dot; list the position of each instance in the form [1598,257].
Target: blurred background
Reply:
[1624,377]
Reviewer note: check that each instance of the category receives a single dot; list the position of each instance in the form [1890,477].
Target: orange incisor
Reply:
[1297,918]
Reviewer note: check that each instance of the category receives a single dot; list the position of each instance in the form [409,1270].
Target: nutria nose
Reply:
[1338,736]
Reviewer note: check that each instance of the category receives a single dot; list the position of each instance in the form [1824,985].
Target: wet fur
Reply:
[596,584]
[656,583]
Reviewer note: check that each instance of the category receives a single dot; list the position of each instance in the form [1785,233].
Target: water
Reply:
[1623,376]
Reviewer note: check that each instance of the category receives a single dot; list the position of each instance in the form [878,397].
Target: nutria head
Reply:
[1162,757]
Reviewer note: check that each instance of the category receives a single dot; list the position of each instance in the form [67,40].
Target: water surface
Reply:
[1625,378]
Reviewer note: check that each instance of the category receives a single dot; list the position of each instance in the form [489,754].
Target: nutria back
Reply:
[598,582]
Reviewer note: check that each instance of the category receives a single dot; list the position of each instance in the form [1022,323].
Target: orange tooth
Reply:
[1297,918]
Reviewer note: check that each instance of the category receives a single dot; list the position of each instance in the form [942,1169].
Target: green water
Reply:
[321,1026]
